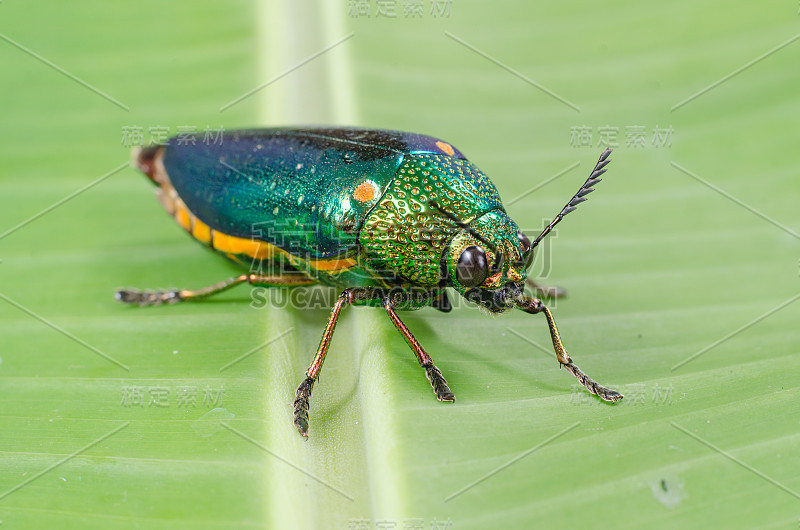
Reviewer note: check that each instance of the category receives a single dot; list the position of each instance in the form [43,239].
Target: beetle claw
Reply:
[302,427]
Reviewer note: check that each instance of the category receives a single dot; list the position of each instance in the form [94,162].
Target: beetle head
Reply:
[487,261]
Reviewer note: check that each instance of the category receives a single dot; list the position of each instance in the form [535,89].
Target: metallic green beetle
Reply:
[391,218]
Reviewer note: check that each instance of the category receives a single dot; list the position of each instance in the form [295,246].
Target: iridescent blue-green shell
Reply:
[293,188]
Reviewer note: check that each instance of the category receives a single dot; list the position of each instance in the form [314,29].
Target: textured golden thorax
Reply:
[405,236]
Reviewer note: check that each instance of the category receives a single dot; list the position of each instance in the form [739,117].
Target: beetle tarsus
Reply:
[146,298]
[439,384]
[301,404]
[606,394]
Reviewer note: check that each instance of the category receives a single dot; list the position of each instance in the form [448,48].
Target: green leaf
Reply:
[681,269]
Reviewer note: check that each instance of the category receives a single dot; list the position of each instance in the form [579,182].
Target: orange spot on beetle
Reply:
[446,148]
[364,192]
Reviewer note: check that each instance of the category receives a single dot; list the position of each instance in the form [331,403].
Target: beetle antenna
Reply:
[586,189]
[498,260]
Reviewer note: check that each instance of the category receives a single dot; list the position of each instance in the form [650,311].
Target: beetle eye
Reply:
[472,268]
[527,251]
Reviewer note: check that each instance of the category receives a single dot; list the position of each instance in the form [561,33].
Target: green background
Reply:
[660,266]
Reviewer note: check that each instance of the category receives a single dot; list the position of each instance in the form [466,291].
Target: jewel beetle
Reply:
[391,219]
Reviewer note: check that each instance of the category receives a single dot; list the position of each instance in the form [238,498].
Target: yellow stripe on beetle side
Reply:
[201,231]
[248,247]
[183,217]
[332,264]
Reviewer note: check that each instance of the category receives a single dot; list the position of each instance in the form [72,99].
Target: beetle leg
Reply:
[143,298]
[433,373]
[534,306]
[546,291]
[303,393]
